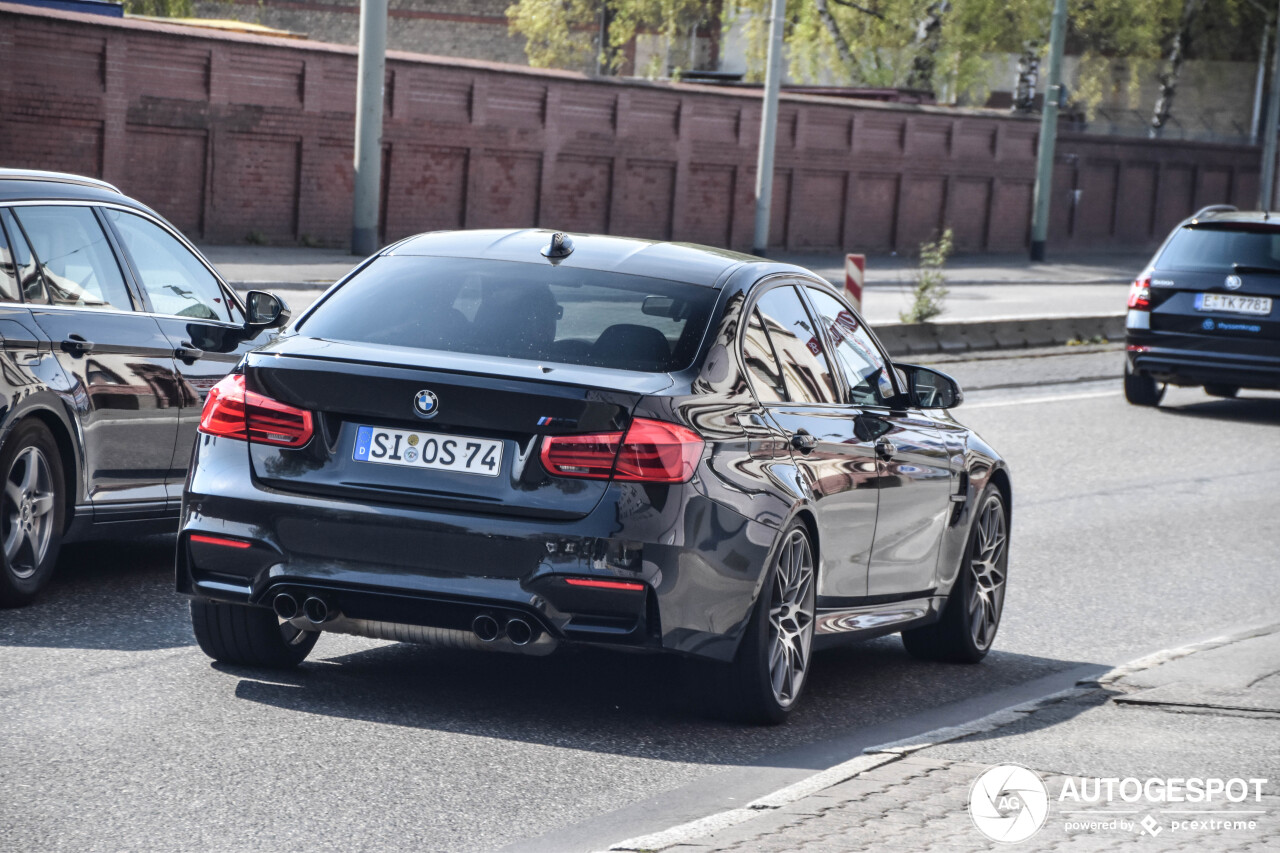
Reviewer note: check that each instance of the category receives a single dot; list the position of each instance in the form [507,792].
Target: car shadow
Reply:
[623,704]
[1246,409]
[109,594]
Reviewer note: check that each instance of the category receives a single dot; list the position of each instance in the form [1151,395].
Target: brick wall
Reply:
[231,135]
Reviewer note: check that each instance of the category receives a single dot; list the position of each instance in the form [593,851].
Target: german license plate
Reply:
[432,450]
[1233,304]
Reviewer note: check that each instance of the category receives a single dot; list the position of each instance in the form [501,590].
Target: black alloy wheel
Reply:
[249,636]
[32,509]
[1141,389]
[767,677]
[971,617]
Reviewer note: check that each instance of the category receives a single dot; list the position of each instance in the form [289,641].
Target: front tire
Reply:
[764,682]
[32,508]
[248,636]
[971,617]
[1140,389]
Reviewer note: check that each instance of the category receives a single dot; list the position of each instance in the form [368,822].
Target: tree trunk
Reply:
[842,46]
[1024,90]
[1168,77]
[928,36]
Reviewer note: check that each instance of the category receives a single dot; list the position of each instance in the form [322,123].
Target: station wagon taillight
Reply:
[232,411]
[648,452]
[1140,294]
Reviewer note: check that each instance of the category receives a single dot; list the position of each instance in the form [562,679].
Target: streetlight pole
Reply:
[1048,132]
[1267,184]
[768,129]
[371,75]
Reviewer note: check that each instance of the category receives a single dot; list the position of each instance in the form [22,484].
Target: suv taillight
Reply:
[1140,294]
[648,452]
[231,411]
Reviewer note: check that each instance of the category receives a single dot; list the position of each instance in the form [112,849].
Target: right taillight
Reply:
[232,411]
[1140,294]
[648,452]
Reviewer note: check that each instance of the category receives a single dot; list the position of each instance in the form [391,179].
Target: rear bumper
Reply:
[699,562]
[1180,362]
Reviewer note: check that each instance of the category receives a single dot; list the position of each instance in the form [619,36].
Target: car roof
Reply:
[1224,214]
[26,184]
[684,262]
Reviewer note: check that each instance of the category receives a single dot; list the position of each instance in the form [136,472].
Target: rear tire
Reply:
[248,636]
[971,617]
[1215,390]
[32,513]
[1140,389]
[764,682]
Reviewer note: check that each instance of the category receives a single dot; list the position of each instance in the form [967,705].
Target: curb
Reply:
[1011,333]
[887,753]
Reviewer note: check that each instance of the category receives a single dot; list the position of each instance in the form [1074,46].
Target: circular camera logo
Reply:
[1008,803]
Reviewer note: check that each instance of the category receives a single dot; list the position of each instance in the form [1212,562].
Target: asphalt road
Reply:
[1133,530]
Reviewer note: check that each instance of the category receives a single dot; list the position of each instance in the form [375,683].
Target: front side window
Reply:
[174,279]
[805,369]
[855,353]
[75,260]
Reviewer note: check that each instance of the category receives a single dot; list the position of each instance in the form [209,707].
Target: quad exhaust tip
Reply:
[316,610]
[285,606]
[486,627]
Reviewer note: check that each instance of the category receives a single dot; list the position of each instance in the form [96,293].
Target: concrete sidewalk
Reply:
[1204,712]
[983,287]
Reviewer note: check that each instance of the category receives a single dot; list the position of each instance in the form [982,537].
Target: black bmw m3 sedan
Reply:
[515,440]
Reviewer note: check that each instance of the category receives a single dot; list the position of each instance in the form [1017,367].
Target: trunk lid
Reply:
[488,407]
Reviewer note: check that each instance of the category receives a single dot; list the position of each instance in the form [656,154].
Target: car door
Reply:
[200,318]
[118,360]
[914,458]
[836,462]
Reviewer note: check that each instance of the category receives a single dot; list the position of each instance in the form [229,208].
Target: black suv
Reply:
[112,330]
[1201,313]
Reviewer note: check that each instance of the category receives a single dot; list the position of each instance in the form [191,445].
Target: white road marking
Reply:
[1025,401]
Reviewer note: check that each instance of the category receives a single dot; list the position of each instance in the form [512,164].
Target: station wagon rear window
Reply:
[519,310]
[1216,249]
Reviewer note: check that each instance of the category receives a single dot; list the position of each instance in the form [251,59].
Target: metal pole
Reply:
[1268,181]
[768,128]
[371,75]
[1258,84]
[1048,132]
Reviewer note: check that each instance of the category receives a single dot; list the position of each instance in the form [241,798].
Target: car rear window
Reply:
[518,310]
[1217,249]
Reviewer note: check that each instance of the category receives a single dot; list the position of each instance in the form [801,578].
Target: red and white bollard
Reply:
[855,273]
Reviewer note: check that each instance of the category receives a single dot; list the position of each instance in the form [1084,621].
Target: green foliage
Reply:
[160,8]
[930,293]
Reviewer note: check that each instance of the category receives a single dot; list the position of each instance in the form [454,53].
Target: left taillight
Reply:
[232,411]
[648,452]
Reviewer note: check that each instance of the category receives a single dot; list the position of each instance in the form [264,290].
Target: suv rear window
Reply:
[518,310]
[1217,249]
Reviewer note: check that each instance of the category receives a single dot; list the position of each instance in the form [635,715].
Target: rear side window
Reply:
[25,265]
[795,337]
[519,310]
[8,272]
[1217,249]
[77,263]
[762,366]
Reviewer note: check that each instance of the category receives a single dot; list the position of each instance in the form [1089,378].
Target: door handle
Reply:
[885,448]
[77,345]
[187,352]
[804,442]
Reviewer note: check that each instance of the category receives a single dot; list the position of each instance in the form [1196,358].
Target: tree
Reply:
[160,8]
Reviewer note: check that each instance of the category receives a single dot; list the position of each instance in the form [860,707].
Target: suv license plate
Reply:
[438,451]
[1232,304]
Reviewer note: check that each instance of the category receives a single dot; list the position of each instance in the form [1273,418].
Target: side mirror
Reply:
[930,389]
[266,309]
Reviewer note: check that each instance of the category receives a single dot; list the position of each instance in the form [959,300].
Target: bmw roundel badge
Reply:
[425,404]
[1233,282]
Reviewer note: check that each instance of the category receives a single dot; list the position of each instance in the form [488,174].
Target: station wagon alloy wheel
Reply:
[28,512]
[987,597]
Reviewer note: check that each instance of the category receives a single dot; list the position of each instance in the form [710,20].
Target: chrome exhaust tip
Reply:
[486,627]
[316,610]
[519,632]
[285,606]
